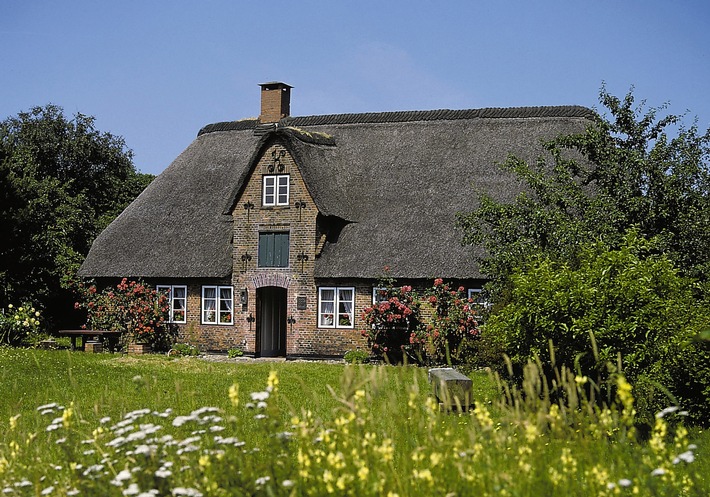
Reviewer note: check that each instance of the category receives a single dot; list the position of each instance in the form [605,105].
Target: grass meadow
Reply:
[102,424]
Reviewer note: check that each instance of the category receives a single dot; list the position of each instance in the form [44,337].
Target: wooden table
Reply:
[111,336]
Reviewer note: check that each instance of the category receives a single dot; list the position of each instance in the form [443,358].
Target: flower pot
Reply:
[139,348]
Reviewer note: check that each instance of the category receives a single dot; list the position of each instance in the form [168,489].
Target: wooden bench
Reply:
[92,336]
[452,389]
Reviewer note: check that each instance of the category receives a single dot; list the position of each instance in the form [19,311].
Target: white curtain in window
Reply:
[327,307]
[225,297]
[345,307]
[209,305]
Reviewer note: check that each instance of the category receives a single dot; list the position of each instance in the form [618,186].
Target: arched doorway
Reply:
[271,321]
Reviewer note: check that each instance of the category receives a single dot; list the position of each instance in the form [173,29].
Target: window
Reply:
[273,249]
[379,295]
[275,190]
[336,307]
[217,305]
[479,299]
[177,296]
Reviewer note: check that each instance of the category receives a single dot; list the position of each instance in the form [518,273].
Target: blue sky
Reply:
[155,72]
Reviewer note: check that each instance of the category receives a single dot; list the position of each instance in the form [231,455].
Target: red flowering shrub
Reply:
[454,321]
[390,321]
[134,308]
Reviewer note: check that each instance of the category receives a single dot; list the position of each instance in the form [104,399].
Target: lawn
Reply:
[130,425]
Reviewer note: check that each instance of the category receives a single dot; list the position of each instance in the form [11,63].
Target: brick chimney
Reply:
[275,102]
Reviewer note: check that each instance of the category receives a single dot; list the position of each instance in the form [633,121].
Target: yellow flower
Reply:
[272,382]
[67,415]
[234,394]
[363,472]
[424,474]
[531,432]
[13,422]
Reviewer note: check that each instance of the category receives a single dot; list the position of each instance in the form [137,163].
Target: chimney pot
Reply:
[275,102]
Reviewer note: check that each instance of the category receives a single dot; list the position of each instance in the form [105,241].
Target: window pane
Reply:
[269,190]
[345,307]
[283,190]
[209,304]
[326,309]
[225,305]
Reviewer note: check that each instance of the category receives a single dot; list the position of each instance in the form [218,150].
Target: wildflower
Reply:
[287,483]
[262,481]
[121,477]
[234,394]
[624,482]
[187,492]
[258,396]
[272,382]
[686,456]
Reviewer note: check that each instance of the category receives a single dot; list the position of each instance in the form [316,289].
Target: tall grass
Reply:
[151,426]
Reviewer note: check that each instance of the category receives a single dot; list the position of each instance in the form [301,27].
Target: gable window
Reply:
[177,297]
[273,249]
[276,189]
[336,307]
[217,305]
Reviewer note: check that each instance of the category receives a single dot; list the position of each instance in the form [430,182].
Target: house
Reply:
[271,233]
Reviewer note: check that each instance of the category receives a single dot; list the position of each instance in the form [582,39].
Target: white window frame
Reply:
[336,301]
[275,182]
[221,305]
[171,297]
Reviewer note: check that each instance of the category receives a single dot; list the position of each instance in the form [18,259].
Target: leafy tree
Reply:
[633,169]
[63,181]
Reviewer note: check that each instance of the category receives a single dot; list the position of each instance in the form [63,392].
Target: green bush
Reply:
[19,324]
[356,357]
[184,349]
[235,352]
[629,302]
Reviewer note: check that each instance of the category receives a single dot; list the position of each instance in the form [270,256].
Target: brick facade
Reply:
[299,220]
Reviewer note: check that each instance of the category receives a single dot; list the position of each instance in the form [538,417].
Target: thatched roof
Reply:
[397,178]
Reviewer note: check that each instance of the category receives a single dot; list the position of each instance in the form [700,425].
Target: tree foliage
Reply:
[605,254]
[632,169]
[63,181]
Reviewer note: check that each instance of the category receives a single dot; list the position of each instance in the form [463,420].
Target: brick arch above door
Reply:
[271,279]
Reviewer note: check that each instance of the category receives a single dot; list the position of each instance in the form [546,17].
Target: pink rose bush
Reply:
[139,311]
[397,325]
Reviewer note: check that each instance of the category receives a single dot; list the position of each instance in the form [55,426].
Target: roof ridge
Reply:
[412,116]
